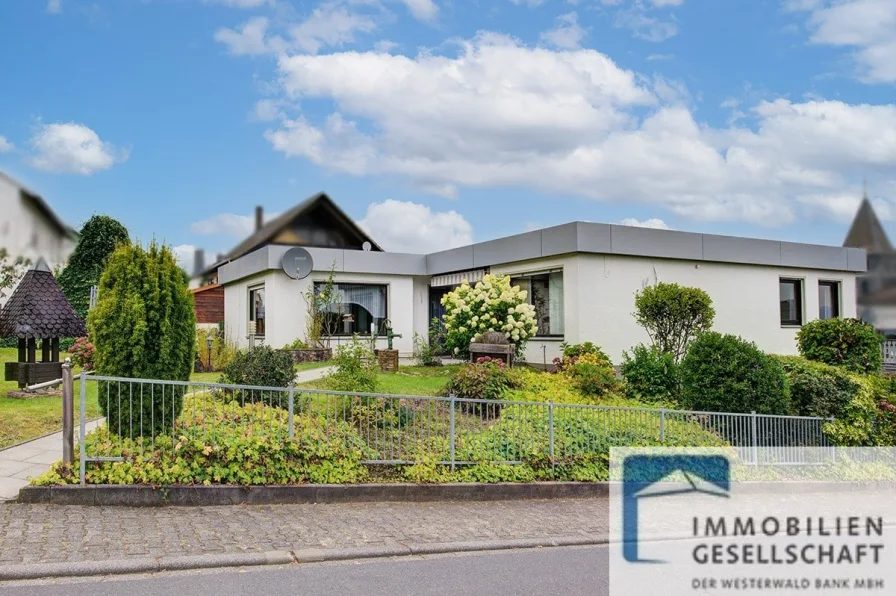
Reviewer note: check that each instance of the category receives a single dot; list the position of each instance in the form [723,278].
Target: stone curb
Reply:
[34,571]
[147,496]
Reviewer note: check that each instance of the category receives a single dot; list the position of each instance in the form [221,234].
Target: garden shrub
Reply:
[216,448]
[485,379]
[96,242]
[818,389]
[491,305]
[577,350]
[673,316]
[143,327]
[725,373]
[262,366]
[426,351]
[296,345]
[850,343]
[356,368]
[592,375]
[82,353]
[222,353]
[650,374]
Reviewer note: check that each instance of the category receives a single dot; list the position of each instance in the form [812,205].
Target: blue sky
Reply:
[440,122]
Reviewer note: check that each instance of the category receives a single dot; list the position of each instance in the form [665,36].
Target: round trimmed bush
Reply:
[725,373]
[851,343]
[262,366]
[818,389]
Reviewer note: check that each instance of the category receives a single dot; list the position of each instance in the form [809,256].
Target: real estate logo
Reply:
[705,474]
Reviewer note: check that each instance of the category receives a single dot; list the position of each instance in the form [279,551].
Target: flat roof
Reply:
[575,237]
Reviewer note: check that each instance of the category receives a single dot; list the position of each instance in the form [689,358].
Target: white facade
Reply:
[586,275]
[26,230]
[599,299]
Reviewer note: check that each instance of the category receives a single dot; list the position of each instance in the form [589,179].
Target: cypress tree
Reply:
[143,327]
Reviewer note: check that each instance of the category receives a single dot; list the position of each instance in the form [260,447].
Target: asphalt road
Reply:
[543,572]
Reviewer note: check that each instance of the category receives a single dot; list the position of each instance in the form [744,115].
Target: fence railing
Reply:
[405,429]
[889,352]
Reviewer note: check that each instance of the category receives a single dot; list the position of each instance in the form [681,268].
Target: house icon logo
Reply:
[641,478]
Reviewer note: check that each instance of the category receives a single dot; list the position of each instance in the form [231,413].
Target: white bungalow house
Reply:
[29,228]
[582,277]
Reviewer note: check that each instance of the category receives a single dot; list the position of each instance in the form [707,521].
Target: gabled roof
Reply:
[41,205]
[38,309]
[270,230]
[867,232]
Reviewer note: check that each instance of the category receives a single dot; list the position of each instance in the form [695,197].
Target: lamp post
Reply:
[208,344]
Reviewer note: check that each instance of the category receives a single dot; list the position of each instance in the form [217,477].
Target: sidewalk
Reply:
[80,536]
[20,463]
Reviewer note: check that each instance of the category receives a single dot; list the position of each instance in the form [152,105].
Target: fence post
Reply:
[83,434]
[453,397]
[292,394]
[755,439]
[551,426]
[68,414]
[662,425]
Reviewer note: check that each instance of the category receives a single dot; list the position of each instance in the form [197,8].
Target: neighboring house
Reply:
[209,301]
[582,277]
[876,287]
[30,229]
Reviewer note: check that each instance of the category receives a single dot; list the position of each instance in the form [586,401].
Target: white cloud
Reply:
[655,57]
[185,255]
[54,6]
[251,39]
[653,223]
[385,46]
[423,10]
[228,224]
[240,3]
[529,3]
[867,26]
[404,226]
[72,148]
[662,3]
[567,34]
[6,145]
[640,16]
[330,25]
[267,110]
[486,118]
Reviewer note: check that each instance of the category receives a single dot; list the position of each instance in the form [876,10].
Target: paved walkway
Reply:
[71,534]
[21,463]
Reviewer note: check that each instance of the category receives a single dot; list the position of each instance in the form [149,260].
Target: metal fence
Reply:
[405,429]
[889,352]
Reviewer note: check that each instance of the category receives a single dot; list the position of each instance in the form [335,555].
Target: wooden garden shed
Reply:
[38,310]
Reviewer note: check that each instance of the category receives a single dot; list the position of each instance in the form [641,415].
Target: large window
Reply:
[545,292]
[791,292]
[256,311]
[828,299]
[359,307]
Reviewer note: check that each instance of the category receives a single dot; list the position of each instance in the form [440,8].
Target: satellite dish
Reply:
[297,263]
[366,246]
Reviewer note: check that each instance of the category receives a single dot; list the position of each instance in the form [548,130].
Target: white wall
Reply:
[599,293]
[26,232]
[285,308]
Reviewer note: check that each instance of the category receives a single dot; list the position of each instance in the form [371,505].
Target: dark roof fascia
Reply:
[43,207]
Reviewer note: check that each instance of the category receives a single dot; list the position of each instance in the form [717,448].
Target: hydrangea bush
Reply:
[491,305]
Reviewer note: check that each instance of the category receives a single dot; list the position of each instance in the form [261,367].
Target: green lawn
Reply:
[409,380]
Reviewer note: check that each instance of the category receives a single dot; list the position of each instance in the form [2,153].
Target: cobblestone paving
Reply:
[54,533]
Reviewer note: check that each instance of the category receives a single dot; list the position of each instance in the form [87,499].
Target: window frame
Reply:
[366,333]
[836,295]
[798,283]
[252,315]
[540,273]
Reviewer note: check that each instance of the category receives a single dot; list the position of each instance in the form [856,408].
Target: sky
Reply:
[436,123]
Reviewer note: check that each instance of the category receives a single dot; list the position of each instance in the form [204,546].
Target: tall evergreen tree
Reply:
[143,327]
[98,238]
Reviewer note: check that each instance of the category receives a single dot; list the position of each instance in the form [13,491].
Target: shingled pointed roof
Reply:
[866,231]
[38,309]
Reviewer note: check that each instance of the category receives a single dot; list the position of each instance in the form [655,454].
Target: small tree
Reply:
[143,327]
[11,272]
[673,316]
[98,239]
[491,305]
[320,306]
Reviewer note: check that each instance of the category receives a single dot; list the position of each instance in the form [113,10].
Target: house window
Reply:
[791,292]
[256,311]
[545,292]
[828,299]
[359,308]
